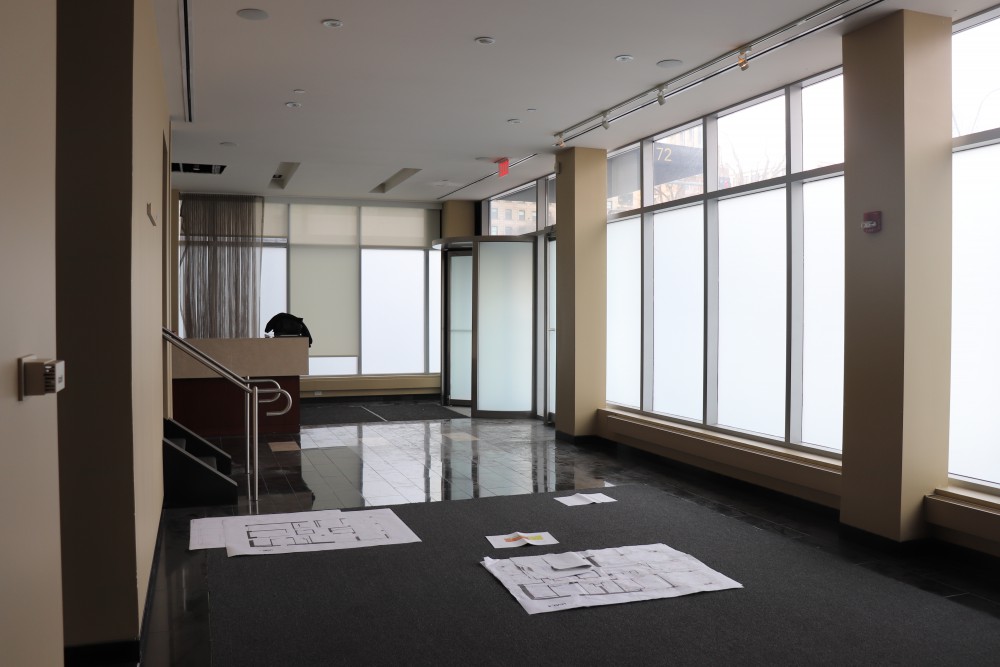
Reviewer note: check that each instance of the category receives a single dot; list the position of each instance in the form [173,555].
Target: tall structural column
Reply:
[897,340]
[581,289]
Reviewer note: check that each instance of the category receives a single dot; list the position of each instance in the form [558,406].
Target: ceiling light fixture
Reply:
[624,58]
[743,61]
[825,17]
[660,99]
[332,23]
[604,123]
[669,63]
[485,40]
[293,105]
[559,140]
[299,91]
[228,144]
[514,121]
[252,14]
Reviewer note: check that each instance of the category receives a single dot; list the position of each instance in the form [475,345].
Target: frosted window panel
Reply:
[624,312]
[678,166]
[505,331]
[752,267]
[324,292]
[407,227]
[434,311]
[273,284]
[752,144]
[551,305]
[823,123]
[975,79]
[623,181]
[550,201]
[333,365]
[460,327]
[678,312]
[275,220]
[392,311]
[320,224]
[823,313]
[975,311]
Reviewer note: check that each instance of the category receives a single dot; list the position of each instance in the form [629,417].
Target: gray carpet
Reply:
[432,603]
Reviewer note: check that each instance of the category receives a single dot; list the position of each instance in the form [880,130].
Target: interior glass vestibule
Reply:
[498,298]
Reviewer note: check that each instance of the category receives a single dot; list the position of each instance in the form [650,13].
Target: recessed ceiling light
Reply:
[332,23]
[531,109]
[252,14]
[669,62]
[624,58]
[293,105]
[228,144]
[299,91]
[514,121]
[485,40]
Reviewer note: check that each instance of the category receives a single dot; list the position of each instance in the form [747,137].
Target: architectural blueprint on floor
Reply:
[320,530]
[605,576]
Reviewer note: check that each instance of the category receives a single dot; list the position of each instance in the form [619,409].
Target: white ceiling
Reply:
[403,84]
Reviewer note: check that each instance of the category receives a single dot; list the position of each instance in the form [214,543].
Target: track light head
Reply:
[604,123]
[559,140]
[744,60]
[660,99]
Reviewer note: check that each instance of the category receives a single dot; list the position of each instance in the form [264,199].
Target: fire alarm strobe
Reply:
[872,222]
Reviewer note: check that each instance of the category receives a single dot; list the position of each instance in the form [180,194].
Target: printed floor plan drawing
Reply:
[314,531]
[605,576]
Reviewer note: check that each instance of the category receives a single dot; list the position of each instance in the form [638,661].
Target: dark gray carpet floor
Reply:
[432,603]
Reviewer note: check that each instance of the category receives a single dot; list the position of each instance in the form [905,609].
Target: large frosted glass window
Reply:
[324,292]
[678,169]
[823,123]
[624,188]
[823,313]
[505,331]
[975,79]
[624,319]
[460,327]
[514,213]
[392,311]
[752,143]
[975,314]
[273,283]
[320,224]
[752,303]
[678,312]
[434,311]
[551,333]
[550,200]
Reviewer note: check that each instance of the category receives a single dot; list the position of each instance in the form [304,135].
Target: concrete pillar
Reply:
[897,84]
[581,289]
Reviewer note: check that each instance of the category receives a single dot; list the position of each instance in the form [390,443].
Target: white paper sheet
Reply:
[585,499]
[520,539]
[314,531]
[622,574]
[207,533]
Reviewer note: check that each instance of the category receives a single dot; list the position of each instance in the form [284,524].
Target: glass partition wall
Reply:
[496,326]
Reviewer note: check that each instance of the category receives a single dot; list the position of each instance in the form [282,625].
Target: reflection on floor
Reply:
[401,462]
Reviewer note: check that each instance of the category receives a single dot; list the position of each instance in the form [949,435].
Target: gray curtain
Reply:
[220,265]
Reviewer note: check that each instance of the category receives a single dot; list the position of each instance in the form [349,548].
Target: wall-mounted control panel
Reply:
[37,377]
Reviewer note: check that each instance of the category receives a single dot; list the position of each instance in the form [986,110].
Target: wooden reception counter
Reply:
[211,406]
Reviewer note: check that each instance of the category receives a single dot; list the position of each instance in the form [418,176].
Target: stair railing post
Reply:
[256,443]
[246,430]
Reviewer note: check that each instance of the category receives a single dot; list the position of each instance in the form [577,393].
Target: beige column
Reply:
[458,218]
[897,84]
[581,289]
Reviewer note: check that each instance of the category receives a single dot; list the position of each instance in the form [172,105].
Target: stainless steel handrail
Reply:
[252,404]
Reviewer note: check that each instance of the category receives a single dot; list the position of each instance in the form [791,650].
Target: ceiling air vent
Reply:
[189,168]
[283,174]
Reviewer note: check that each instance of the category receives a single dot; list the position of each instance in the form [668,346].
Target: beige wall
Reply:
[458,218]
[31,580]
[109,291]
[581,289]
[150,188]
[897,76]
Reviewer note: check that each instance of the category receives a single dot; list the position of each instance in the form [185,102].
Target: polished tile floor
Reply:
[349,466]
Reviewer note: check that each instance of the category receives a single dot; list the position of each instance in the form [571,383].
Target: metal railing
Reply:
[252,401]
